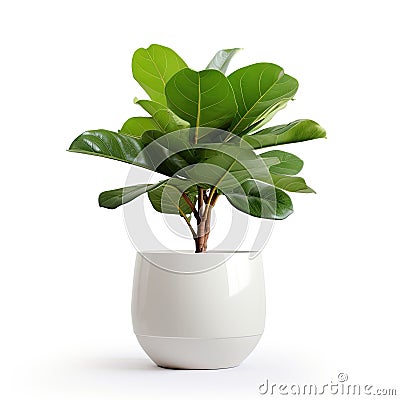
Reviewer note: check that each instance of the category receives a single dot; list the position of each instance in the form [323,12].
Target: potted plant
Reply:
[203,130]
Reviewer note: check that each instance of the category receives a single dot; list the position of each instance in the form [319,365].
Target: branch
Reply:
[209,207]
[211,204]
[191,205]
[200,193]
[214,200]
[188,223]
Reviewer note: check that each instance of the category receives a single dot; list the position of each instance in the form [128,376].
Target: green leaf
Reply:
[108,144]
[210,144]
[203,98]
[211,173]
[261,200]
[297,131]
[222,59]
[135,126]
[121,147]
[208,139]
[117,197]
[153,67]
[167,197]
[228,167]
[165,119]
[258,89]
[291,183]
[266,117]
[175,146]
[288,163]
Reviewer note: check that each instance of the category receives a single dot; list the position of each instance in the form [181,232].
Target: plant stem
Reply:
[191,205]
[203,228]
[201,223]
[208,220]
[200,198]
[188,223]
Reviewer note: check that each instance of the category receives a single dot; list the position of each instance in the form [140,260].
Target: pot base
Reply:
[197,353]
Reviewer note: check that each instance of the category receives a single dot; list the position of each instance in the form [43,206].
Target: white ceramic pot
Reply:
[198,311]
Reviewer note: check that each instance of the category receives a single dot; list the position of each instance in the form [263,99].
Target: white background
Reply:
[332,268]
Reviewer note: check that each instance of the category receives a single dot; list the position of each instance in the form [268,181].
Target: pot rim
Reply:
[166,260]
[191,252]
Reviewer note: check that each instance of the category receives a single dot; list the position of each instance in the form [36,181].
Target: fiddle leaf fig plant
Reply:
[202,132]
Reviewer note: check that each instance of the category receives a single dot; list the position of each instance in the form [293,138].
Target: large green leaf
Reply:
[167,197]
[127,149]
[212,173]
[153,67]
[165,120]
[297,131]
[184,139]
[175,145]
[203,98]
[227,172]
[258,89]
[289,164]
[226,167]
[164,159]
[261,200]
[118,197]
[109,144]
[135,126]
[222,59]
[181,144]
